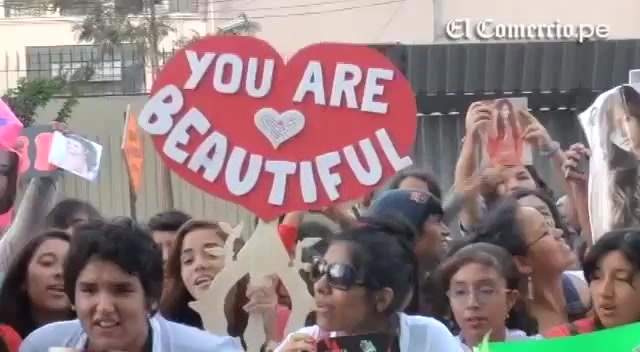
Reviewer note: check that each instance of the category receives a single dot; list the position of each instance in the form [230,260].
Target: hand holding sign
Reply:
[230,117]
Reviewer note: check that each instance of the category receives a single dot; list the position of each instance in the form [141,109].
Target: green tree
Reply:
[30,95]
[110,24]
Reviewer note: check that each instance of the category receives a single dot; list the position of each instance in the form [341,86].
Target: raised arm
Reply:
[29,219]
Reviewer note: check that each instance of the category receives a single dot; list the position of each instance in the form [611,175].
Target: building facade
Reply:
[41,41]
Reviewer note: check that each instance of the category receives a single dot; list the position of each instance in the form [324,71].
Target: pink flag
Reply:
[10,127]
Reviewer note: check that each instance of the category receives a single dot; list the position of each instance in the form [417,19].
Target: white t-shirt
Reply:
[511,335]
[417,334]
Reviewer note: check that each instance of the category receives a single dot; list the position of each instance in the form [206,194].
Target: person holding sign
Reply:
[357,293]
[612,268]
[198,255]
[482,282]
[505,145]
[230,116]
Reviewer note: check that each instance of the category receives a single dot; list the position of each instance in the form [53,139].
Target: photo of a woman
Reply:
[623,158]
[612,127]
[76,155]
[504,144]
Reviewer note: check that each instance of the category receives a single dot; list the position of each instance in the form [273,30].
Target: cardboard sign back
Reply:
[262,256]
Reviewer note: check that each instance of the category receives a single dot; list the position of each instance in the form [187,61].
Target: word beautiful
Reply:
[211,156]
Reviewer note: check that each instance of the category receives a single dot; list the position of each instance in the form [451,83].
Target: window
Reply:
[84,7]
[109,71]
[188,6]
[32,8]
[115,72]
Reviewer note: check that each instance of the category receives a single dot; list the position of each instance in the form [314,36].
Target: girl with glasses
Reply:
[481,282]
[363,282]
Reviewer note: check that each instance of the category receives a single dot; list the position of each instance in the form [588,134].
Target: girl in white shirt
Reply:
[362,283]
[481,282]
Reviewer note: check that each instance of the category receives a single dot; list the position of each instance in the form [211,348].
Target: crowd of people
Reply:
[523,267]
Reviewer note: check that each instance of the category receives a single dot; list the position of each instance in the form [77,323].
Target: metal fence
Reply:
[122,70]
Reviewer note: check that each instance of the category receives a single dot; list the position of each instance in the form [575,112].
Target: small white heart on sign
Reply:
[279,127]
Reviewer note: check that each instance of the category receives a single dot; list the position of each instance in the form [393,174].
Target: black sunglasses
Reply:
[339,276]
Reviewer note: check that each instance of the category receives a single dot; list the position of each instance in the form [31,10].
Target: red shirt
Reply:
[582,326]
[10,338]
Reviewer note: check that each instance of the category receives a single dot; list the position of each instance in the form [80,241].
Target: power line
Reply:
[310,13]
[305,13]
[390,19]
[92,5]
[321,3]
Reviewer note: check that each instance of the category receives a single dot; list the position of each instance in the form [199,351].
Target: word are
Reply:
[215,154]
[488,29]
[243,73]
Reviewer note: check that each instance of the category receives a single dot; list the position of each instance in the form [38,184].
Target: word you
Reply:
[489,29]
[215,154]
[243,75]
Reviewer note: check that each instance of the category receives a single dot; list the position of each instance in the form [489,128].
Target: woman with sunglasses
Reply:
[612,268]
[540,254]
[481,282]
[362,284]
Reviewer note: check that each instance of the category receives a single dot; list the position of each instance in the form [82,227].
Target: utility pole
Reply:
[634,76]
[438,17]
[166,193]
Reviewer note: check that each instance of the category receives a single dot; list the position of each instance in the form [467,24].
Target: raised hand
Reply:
[571,165]
[478,116]
[535,133]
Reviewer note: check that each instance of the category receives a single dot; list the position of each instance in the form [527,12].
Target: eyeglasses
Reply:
[339,276]
[482,295]
[545,234]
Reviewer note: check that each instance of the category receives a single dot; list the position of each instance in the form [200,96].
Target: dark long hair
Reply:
[383,249]
[499,259]
[624,186]
[626,241]
[174,303]
[91,156]
[15,304]
[512,119]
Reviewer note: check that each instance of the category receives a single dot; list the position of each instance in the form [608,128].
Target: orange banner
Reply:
[132,151]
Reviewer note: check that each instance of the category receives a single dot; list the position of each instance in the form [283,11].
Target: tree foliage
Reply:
[30,95]
[109,24]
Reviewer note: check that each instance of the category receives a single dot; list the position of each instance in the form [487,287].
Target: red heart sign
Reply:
[228,115]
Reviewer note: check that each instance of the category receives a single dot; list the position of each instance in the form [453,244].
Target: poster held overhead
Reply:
[76,155]
[502,139]
[133,155]
[231,117]
[611,125]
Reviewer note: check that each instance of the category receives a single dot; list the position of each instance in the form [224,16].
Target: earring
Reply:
[507,315]
[73,308]
[529,288]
